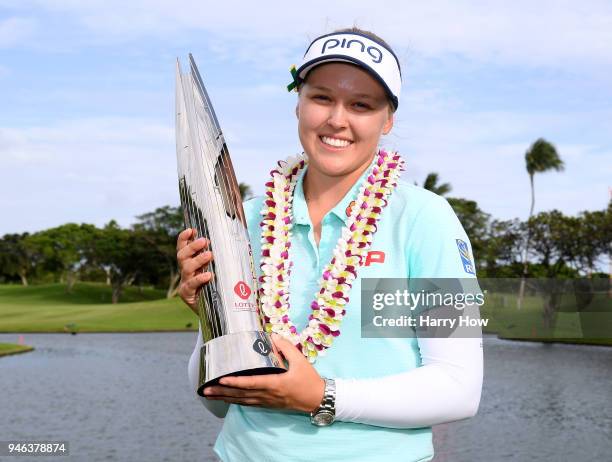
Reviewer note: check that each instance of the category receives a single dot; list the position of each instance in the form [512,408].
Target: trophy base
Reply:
[238,354]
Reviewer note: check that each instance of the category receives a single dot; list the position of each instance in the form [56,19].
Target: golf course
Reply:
[593,326]
[87,308]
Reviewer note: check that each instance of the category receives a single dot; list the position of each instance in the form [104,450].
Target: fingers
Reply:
[192,259]
[188,290]
[241,401]
[183,238]
[236,395]
[219,390]
[288,349]
[191,265]
[253,382]
[190,286]
[189,250]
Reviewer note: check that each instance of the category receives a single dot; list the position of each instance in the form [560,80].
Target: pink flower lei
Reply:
[328,307]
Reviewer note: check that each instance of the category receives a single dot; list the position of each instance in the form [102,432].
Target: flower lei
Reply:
[328,308]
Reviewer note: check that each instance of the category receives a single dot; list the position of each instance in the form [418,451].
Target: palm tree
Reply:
[431,184]
[541,157]
[245,191]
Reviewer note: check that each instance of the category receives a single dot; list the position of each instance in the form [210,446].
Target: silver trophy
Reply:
[234,342]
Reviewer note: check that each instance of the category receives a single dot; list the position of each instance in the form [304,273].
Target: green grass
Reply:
[48,308]
[12,349]
[593,327]
[83,293]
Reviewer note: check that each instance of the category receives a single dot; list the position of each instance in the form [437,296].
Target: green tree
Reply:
[567,247]
[245,191]
[593,239]
[431,184]
[549,232]
[554,247]
[63,250]
[502,249]
[16,256]
[541,157]
[123,253]
[160,229]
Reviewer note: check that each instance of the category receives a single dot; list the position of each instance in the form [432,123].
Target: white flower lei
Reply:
[328,308]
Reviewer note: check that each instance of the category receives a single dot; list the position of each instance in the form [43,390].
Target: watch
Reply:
[325,414]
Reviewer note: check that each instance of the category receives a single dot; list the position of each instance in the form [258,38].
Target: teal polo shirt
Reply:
[417,236]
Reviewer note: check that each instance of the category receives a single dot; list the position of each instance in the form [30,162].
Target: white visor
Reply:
[356,49]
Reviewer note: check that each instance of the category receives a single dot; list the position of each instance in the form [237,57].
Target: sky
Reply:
[87,97]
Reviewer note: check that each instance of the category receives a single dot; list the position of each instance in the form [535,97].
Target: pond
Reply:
[126,397]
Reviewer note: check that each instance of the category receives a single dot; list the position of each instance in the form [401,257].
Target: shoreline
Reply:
[150,331]
[165,331]
[561,341]
[9,349]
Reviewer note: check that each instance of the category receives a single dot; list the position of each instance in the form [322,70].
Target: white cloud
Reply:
[544,33]
[94,169]
[88,170]
[15,30]
[482,155]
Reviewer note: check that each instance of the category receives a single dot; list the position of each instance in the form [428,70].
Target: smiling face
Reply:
[342,112]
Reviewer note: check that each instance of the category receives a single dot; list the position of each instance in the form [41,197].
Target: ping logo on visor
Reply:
[357,49]
[466,259]
[373,51]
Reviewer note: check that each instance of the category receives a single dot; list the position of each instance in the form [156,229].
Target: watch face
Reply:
[323,418]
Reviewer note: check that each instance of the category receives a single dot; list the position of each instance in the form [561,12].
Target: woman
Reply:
[351,217]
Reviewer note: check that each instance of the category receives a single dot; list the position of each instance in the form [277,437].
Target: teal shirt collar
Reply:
[300,209]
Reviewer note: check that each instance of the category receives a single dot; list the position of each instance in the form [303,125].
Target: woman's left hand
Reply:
[301,388]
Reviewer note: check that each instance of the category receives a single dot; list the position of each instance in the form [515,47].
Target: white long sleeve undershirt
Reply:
[446,387]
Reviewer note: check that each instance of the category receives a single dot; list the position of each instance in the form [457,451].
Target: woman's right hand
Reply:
[192,261]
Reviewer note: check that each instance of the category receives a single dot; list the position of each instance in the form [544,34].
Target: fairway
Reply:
[49,308]
[592,327]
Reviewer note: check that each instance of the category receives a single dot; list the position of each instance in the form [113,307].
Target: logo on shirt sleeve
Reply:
[466,259]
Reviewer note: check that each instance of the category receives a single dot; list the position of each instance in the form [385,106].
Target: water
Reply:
[540,402]
[112,396]
[126,397]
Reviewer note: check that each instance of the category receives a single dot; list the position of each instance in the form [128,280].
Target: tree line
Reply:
[145,253]
[559,245]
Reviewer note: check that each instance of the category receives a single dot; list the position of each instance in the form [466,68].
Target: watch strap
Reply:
[328,403]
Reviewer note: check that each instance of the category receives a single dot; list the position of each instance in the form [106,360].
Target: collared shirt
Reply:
[418,235]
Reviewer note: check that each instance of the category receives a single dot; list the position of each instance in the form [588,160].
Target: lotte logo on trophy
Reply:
[234,341]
